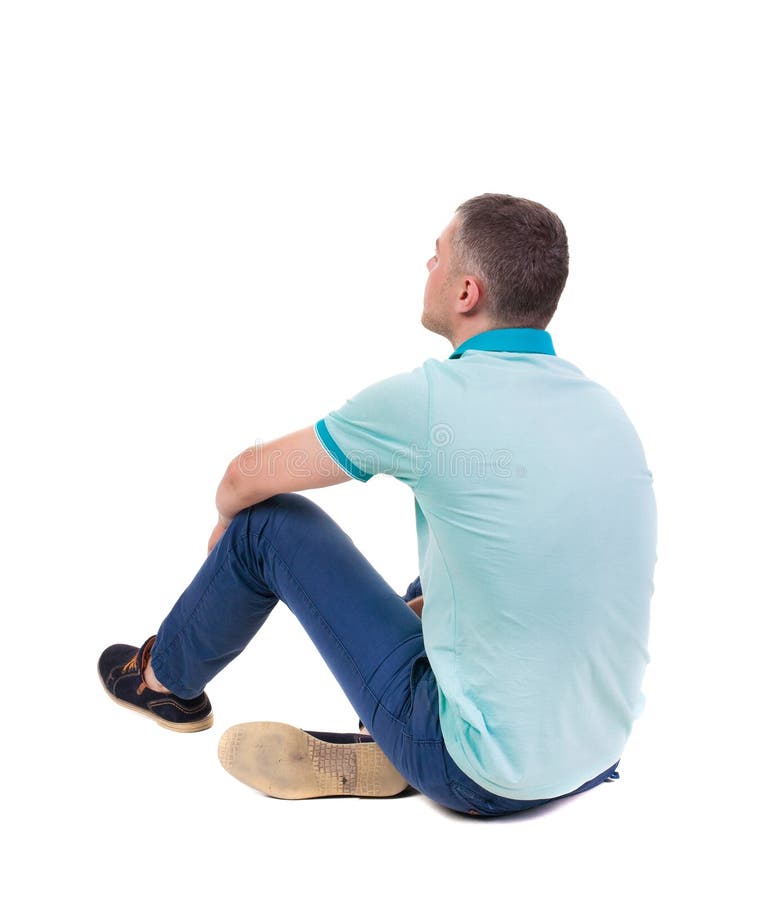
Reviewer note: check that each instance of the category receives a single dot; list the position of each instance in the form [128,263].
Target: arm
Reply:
[294,462]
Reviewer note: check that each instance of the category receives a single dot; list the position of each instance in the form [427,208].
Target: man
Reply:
[536,528]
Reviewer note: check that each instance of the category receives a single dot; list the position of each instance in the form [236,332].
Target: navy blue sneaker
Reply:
[287,762]
[121,669]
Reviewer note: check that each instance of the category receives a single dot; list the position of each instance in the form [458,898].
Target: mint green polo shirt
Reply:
[536,531]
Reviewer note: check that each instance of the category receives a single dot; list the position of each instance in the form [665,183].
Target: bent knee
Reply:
[275,509]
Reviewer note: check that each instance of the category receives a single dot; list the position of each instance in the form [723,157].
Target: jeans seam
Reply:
[395,649]
[471,802]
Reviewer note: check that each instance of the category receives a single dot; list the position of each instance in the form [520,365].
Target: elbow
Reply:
[241,487]
[226,498]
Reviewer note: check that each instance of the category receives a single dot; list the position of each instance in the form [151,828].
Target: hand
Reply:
[217,533]
[417,604]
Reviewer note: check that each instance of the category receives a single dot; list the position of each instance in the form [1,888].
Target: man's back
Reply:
[536,525]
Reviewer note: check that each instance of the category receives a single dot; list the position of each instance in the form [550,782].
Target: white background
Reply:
[215,223]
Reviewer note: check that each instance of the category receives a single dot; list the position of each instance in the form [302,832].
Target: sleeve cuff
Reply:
[330,445]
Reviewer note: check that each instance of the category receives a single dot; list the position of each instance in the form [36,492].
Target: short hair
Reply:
[519,250]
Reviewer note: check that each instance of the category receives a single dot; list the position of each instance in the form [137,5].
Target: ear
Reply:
[470,292]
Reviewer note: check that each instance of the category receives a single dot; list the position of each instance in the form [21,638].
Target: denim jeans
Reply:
[287,548]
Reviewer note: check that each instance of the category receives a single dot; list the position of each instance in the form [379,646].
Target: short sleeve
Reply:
[383,429]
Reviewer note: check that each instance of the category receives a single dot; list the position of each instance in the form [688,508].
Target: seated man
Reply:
[536,528]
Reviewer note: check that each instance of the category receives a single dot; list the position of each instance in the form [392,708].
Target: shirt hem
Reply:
[541,792]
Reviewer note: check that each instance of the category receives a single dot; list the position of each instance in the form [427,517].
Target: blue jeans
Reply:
[287,548]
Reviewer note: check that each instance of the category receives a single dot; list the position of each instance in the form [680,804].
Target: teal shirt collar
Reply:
[516,340]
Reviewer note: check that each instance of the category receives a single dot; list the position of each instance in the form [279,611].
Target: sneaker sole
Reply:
[285,762]
[185,727]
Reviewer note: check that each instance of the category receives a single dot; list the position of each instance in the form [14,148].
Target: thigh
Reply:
[368,637]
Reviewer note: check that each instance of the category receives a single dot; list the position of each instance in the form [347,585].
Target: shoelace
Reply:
[131,666]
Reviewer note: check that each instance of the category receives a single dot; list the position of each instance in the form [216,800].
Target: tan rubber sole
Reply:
[185,727]
[286,762]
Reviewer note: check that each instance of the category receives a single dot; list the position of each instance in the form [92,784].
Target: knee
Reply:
[272,511]
[286,502]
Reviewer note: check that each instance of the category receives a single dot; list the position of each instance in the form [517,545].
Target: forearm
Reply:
[229,499]
[225,499]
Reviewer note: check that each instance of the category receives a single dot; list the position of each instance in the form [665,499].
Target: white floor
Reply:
[107,803]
